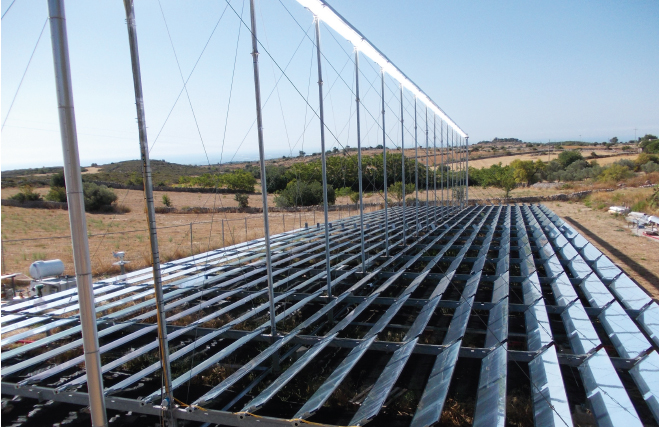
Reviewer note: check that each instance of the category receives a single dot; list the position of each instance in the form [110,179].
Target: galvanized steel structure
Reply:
[380,318]
[449,295]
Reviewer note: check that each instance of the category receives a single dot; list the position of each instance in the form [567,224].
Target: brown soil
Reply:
[636,255]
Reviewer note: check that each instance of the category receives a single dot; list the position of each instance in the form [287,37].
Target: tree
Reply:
[57,180]
[300,193]
[302,153]
[570,156]
[396,190]
[97,197]
[499,177]
[27,194]
[242,199]
[615,173]
[239,180]
[523,171]
[613,140]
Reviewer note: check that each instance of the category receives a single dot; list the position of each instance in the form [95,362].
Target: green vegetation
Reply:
[98,197]
[242,199]
[237,180]
[497,176]
[301,193]
[396,190]
[166,200]
[569,167]
[649,143]
[27,194]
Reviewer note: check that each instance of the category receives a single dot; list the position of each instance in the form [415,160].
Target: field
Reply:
[127,232]
[605,159]
[638,256]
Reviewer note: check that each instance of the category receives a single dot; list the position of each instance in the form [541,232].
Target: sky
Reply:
[537,71]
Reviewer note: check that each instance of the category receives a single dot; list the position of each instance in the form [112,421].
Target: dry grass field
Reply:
[127,232]
[638,256]
[603,161]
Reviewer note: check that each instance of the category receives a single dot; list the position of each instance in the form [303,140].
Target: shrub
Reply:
[650,167]
[56,194]
[97,197]
[242,199]
[396,190]
[239,180]
[568,157]
[354,197]
[615,173]
[57,180]
[301,193]
[27,194]
[643,158]
[629,164]
[166,200]
[344,191]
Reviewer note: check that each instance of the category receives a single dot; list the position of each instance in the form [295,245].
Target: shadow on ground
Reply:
[629,262]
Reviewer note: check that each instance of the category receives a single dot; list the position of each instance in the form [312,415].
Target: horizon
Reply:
[541,71]
[255,156]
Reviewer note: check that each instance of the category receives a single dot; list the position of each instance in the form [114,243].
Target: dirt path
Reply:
[638,256]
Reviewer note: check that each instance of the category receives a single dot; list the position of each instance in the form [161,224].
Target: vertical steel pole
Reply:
[402,149]
[384,170]
[223,233]
[77,219]
[464,171]
[434,162]
[322,158]
[467,178]
[359,162]
[168,397]
[264,188]
[416,169]
[441,156]
[453,168]
[427,169]
[191,245]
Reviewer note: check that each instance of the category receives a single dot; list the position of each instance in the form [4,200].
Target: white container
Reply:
[41,269]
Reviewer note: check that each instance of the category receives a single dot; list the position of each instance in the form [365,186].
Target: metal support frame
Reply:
[434,161]
[467,176]
[359,161]
[384,170]
[402,150]
[474,230]
[441,154]
[322,155]
[427,170]
[264,190]
[167,396]
[76,203]
[416,168]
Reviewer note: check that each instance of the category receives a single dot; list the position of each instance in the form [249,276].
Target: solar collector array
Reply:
[470,251]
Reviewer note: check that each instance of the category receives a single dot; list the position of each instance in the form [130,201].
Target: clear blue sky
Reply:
[531,70]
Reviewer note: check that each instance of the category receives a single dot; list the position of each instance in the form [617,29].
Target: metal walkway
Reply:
[485,302]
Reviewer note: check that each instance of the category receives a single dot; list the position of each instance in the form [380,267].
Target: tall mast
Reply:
[359,162]
[77,219]
[168,398]
[264,189]
[322,157]
[402,150]
[384,171]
